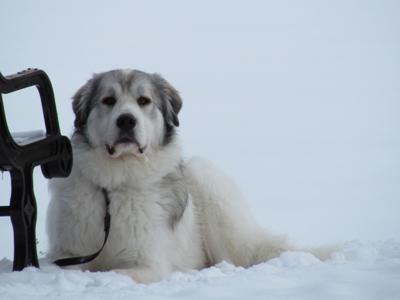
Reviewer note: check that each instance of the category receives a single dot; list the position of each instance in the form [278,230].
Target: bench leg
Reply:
[23,219]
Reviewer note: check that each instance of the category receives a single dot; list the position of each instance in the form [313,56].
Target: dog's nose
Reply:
[126,122]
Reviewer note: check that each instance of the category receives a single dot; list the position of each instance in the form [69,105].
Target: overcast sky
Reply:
[299,101]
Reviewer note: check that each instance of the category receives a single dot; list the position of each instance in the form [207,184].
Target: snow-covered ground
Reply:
[298,101]
[361,271]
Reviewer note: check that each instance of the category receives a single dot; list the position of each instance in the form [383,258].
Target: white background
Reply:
[299,101]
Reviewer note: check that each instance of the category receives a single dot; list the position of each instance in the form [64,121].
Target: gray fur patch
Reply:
[175,197]
[171,101]
[82,102]
[125,80]
[171,104]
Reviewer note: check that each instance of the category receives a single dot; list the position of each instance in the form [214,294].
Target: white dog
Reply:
[167,214]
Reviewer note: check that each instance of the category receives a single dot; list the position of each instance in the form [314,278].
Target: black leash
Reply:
[85,259]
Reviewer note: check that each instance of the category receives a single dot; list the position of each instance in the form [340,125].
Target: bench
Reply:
[20,153]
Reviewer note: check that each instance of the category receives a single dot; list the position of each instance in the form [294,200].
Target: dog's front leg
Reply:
[144,274]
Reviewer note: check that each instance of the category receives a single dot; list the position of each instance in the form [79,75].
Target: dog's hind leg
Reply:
[229,230]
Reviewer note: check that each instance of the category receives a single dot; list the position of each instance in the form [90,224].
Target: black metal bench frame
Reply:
[53,153]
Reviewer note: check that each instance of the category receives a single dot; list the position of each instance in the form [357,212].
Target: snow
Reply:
[27,137]
[297,101]
[360,270]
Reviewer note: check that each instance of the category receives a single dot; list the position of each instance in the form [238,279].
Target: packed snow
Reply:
[360,270]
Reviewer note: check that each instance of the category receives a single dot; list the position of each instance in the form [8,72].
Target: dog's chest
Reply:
[138,225]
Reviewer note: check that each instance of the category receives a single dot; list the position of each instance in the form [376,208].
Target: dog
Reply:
[167,214]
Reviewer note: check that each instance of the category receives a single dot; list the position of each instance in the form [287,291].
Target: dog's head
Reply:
[127,112]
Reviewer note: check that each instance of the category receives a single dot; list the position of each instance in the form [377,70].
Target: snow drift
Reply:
[361,270]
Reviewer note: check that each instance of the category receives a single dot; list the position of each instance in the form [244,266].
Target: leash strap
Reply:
[78,260]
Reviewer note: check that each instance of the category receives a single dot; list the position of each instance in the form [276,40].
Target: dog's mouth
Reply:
[125,145]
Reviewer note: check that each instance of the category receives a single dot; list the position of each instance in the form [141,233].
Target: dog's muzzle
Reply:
[126,124]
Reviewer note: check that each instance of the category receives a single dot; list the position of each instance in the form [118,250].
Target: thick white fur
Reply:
[216,224]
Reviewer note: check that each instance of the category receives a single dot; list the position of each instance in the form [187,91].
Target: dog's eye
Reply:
[142,101]
[110,101]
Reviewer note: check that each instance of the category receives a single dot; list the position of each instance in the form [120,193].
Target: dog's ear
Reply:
[171,101]
[80,104]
